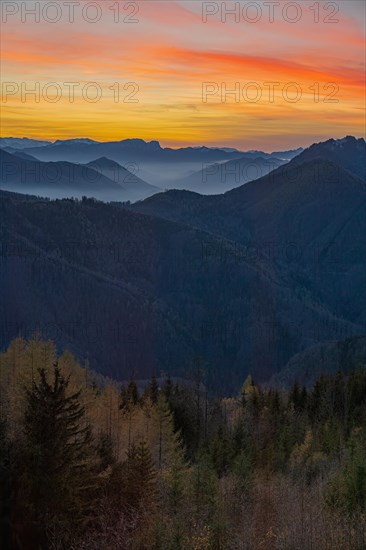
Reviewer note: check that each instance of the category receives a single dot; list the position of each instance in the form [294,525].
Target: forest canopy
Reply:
[90,463]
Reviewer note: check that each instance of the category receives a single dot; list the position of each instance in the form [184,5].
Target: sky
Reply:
[251,75]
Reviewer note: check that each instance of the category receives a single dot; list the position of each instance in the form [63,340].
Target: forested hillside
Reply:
[86,463]
[137,293]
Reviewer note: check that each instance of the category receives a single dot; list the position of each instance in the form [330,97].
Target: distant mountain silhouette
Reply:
[20,153]
[287,155]
[244,280]
[22,173]
[273,206]
[22,143]
[220,177]
[136,187]
[349,152]
[309,218]
[75,141]
[70,149]
[156,165]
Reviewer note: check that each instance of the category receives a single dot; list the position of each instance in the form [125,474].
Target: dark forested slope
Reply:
[136,293]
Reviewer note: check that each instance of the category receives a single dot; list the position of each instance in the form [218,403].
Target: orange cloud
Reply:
[170,53]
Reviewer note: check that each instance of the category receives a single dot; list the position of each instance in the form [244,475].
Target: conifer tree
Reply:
[167,389]
[140,476]
[132,393]
[105,449]
[295,396]
[123,399]
[153,389]
[60,461]
[303,398]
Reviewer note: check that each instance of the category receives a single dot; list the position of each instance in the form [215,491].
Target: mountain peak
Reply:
[137,143]
[81,141]
[347,140]
[104,161]
[348,152]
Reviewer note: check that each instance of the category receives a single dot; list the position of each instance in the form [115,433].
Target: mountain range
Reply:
[103,179]
[241,282]
[162,167]
[220,177]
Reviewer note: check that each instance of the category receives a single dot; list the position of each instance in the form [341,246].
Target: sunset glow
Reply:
[156,70]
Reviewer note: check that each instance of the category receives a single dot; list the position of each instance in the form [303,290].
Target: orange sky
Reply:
[160,56]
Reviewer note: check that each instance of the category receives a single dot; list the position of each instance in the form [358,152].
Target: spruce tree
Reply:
[168,389]
[60,460]
[295,396]
[123,398]
[132,393]
[140,486]
[153,390]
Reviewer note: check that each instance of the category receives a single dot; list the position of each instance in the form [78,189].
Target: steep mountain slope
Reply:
[136,187]
[220,177]
[309,220]
[163,164]
[268,208]
[349,153]
[243,280]
[20,153]
[155,164]
[21,173]
[137,293]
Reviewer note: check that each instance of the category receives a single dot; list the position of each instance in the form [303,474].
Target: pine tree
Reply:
[169,441]
[105,449]
[132,393]
[317,401]
[167,389]
[295,396]
[60,459]
[153,390]
[174,474]
[140,481]
[275,403]
[123,398]
[303,398]
[221,451]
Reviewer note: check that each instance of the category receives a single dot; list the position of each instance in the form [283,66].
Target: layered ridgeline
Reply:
[220,177]
[238,283]
[102,179]
[307,217]
[136,293]
[183,168]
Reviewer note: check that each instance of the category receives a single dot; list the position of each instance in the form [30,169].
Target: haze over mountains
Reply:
[243,281]
[102,179]
[22,143]
[24,174]
[220,177]
[196,168]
